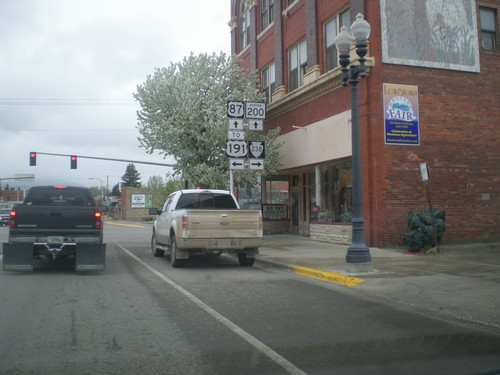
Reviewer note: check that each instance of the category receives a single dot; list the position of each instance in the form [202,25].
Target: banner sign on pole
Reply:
[401,121]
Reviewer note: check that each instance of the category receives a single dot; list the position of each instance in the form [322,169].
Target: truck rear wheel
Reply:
[176,263]
[245,261]
[156,252]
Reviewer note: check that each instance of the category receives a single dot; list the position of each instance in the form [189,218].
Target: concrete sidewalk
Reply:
[462,281]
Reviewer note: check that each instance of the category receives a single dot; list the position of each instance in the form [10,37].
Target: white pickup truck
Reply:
[205,221]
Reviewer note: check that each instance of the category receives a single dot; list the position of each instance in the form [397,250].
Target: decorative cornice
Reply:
[233,23]
[326,83]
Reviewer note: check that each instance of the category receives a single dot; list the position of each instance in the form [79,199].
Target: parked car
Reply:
[4,216]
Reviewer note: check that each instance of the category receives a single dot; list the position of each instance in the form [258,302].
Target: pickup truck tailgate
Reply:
[223,224]
[40,219]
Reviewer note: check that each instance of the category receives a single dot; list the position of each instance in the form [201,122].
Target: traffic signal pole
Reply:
[101,158]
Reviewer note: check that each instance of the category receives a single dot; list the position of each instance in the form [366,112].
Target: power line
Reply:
[65,102]
[70,130]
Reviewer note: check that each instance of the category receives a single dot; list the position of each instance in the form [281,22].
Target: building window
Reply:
[289,2]
[266,13]
[332,28]
[297,65]
[268,81]
[488,28]
[331,195]
[244,25]
[276,190]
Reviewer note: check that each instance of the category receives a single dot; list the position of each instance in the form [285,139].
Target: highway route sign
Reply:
[236,163]
[235,109]
[236,149]
[255,110]
[256,149]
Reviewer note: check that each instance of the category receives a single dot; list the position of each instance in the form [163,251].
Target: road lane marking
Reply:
[332,277]
[260,346]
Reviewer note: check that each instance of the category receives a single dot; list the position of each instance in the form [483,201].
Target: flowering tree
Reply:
[183,114]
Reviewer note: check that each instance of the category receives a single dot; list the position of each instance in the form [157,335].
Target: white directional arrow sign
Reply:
[255,124]
[236,163]
[256,164]
[235,124]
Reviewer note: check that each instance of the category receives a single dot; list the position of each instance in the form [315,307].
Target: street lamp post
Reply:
[358,254]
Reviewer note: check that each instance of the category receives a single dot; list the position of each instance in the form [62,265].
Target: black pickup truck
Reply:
[55,222]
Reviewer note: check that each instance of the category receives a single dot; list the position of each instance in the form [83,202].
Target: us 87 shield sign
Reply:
[236,149]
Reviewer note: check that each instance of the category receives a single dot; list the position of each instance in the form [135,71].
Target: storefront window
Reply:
[275,199]
[331,193]
[250,199]
[276,191]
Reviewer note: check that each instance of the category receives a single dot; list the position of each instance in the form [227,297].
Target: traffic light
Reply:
[73,161]
[32,159]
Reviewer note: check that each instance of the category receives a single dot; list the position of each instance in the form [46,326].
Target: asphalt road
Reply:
[140,316]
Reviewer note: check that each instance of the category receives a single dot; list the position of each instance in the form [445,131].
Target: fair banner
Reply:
[401,121]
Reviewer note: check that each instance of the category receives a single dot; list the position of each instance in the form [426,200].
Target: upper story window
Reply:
[266,13]
[297,65]
[488,28]
[289,2]
[268,81]
[244,25]
[332,28]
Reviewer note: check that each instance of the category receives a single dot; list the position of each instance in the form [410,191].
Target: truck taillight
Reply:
[185,222]
[97,220]
[12,219]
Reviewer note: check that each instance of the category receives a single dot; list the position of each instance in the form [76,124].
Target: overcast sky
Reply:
[68,69]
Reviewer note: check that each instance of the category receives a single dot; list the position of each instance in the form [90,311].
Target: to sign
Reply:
[236,149]
[255,110]
[256,149]
[236,135]
[235,109]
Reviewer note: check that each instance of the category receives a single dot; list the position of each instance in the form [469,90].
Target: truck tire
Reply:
[245,261]
[156,252]
[176,263]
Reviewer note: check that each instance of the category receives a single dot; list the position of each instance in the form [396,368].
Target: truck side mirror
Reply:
[154,211]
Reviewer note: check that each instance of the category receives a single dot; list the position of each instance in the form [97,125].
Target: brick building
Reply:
[436,60]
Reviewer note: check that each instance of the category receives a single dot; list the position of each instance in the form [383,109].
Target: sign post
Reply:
[425,178]
[238,149]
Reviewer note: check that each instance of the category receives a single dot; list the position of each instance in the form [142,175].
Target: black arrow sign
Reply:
[235,163]
[235,124]
[258,164]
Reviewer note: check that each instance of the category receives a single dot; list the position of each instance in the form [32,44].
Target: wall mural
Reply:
[432,33]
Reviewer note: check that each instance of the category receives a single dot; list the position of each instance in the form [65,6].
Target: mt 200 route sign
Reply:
[255,110]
